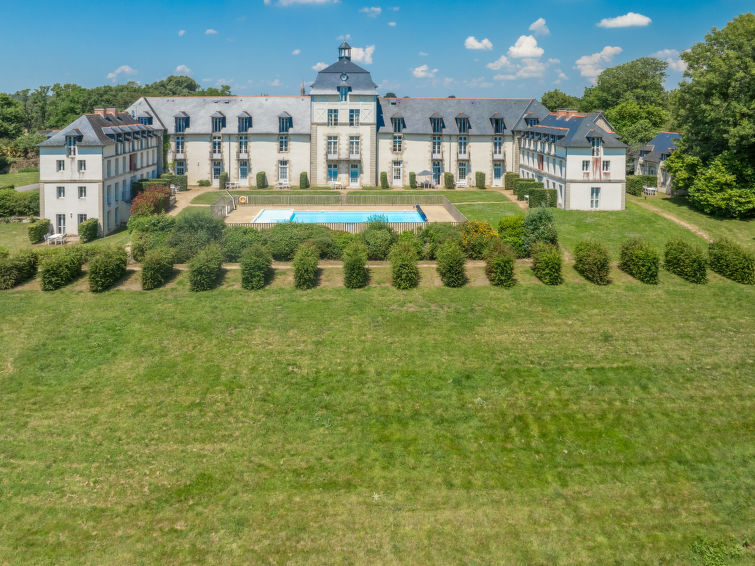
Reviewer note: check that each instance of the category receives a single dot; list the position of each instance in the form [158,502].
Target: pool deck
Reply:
[247,213]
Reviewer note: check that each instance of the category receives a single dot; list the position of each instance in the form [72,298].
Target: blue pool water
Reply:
[324,216]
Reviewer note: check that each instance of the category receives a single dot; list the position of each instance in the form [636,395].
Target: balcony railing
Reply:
[463,154]
[180,153]
[437,154]
[355,156]
[497,153]
[243,154]
[216,154]
[332,155]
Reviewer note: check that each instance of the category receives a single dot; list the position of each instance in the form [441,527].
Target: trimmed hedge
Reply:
[509,181]
[157,268]
[451,262]
[512,233]
[38,230]
[106,268]
[204,183]
[305,266]
[685,260]
[639,260]
[181,182]
[378,237]
[476,237]
[16,203]
[592,262]
[261,180]
[732,261]
[524,187]
[223,180]
[412,180]
[236,239]
[383,180]
[256,267]
[60,268]
[404,270]
[17,268]
[499,265]
[355,272]
[205,268]
[88,230]
[303,180]
[546,263]
[635,183]
[448,180]
[479,180]
[542,197]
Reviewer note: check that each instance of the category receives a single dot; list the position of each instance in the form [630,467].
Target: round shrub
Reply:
[193,231]
[451,262]
[404,270]
[236,239]
[88,230]
[412,180]
[730,260]
[256,266]
[685,260]
[157,268]
[355,273]
[378,237]
[305,266]
[383,180]
[511,232]
[476,238]
[38,230]
[479,179]
[448,181]
[106,268]
[435,234]
[592,262]
[639,260]
[539,226]
[160,223]
[60,268]
[546,263]
[17,268]
[411,238]
[342,239]
[261,180]
[499,265]
[283,239]
[205,268]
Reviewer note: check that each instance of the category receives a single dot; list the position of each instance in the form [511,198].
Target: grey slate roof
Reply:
[92,130]
[264,111]
[660,144]
[417,112]
[329,79]
[574,129]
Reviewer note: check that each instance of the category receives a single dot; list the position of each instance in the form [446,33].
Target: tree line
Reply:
[713,108]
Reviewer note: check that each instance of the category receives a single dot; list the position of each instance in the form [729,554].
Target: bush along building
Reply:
[652,159]
[86,169]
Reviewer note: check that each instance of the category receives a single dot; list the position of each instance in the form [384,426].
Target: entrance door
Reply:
[354,175]
[497,174]
[217,168]
[60,223]
[437,172]
[396,173]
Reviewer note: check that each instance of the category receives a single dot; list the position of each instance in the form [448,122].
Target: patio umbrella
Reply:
[425,173]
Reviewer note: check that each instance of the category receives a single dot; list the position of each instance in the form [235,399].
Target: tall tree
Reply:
[715,107]
[636,124]
[555,99]
[11,117]
[640,80]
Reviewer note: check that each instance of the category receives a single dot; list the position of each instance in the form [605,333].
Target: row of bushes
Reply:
[536,192]
[17,268]
[38,230]
[106,268]
[635,183]
[154,200]
[16,203]
[520,232]
[59,269]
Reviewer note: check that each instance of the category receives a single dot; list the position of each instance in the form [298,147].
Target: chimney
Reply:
[111,111]
[99,112]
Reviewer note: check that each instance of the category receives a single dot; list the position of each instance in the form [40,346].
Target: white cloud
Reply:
[671,56]
[628,20]
[531,68]
[319,66]
[345,37]
[499,63]
[592,65]
[539,27]
[210,31]
[423,54]
[363,54]
[395,8]
[275,82]
[479,82]
[472,43]
[181,32]
[183,70]
[392,24]
[371,11]
[448,81]
[296,52]
[122,70]
[525,46]
[424,72]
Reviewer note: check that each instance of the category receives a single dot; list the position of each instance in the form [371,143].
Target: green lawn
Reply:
[19,179]
[211,196]
[742,231]
[479,425]
[15,236]
[490,212]
[453,196]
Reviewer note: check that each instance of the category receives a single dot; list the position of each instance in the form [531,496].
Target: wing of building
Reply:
[652,157]
[341,134]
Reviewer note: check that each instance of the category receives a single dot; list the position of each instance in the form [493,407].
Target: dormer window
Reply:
[498,126]
[398,125]
[145,120]
[343,93]
[70,145]
[437,125]
[532,121]
[218,123]
[182,123]
[462,122]
[245,124]
[285,123]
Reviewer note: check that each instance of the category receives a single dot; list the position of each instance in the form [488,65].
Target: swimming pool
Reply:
[275,215]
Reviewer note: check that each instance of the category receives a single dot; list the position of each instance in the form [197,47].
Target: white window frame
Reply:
[243,169]
[60,223]
[354,117]
[332,116]
[606,166]
[182,165]
[180,144]
[243,144]
[396,172]
[397,143]
[462,165]
[354,145]
[60,165]
[585,166]
[283,143]
[60,192]
[81,218]
[82,192]
[217,144]
[594,198]
[283,170]
[216,169]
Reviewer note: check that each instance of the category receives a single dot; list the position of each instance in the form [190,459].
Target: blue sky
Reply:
[418,48]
